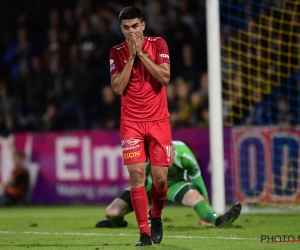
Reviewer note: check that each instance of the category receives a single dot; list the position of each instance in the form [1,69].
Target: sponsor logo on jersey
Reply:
[111,61]
[164,55]
[131,148]
[132,141]
[131,155]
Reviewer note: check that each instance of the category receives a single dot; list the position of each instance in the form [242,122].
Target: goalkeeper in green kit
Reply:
[190,192]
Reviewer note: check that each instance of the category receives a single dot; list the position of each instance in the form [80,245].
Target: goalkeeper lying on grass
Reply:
[191,193]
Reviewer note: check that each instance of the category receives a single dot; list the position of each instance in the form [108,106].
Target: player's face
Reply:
[132,25]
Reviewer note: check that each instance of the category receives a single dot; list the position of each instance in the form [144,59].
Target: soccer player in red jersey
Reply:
[140,70]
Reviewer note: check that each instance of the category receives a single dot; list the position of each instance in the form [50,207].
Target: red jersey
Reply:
[144,98]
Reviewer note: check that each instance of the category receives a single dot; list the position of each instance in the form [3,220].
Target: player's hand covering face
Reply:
[133,32]
[131,47]
[138,42]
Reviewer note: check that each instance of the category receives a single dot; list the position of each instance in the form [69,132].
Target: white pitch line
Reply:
[126,235]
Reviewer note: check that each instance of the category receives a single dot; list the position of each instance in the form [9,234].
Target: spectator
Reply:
[85,8]
[106,114]
[86,40]
[39,81]
[17,57]
[104,41]
[19,53]
[69,26]
[80,75]
[57,73]
[284,117]
[16,189]
[54,19]
[183,102]
[157,18]
[11,126]
[186,9]
[112,18]
[187,67]
[29,110]
[199,110]
[54,45]
[7,103]
[177,34]
[50,119]
[71,111]
[203,85]
[172,104]
[110,110]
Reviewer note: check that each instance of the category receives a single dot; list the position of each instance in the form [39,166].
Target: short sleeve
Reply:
[114,62]
[162,51]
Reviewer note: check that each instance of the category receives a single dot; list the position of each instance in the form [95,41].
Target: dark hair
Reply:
[130,12]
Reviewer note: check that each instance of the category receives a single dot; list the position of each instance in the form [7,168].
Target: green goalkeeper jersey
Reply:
[184,168]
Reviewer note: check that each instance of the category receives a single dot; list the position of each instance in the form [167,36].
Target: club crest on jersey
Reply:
[146,54]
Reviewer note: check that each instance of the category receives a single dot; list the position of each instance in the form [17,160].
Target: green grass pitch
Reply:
[73,227]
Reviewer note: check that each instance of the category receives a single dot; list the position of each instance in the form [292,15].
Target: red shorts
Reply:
[146,140]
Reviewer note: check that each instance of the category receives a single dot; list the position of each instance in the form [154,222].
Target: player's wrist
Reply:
[131,58]
[140,54]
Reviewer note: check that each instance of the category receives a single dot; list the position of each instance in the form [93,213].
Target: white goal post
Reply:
[215,106]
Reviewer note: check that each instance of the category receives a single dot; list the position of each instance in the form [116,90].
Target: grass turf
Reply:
[73,227]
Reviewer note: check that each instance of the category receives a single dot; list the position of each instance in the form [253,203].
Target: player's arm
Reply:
[160,70]
[190,163]
[120,76]
[119,81]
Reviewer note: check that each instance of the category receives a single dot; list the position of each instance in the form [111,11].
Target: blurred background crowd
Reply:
[260,47]
[54,59]
[54,71]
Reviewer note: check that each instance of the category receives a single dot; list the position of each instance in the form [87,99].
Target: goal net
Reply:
[260,62]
